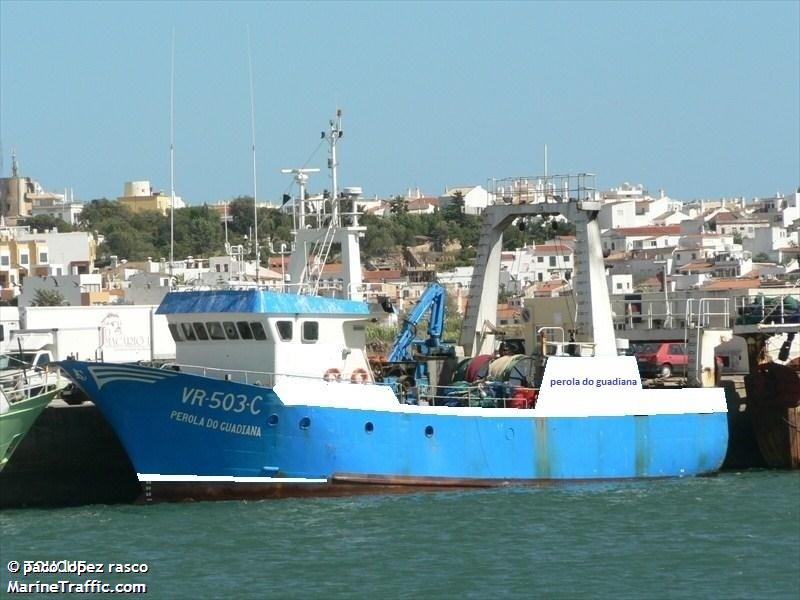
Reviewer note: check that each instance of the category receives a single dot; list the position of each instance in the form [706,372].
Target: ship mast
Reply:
[172,162]
[257,250]
[333,137]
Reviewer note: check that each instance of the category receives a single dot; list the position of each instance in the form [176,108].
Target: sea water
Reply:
[735,535]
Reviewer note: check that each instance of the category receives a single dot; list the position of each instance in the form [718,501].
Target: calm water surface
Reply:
[736,535]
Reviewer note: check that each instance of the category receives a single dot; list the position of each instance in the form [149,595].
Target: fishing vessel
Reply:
[24,394]
[272,393]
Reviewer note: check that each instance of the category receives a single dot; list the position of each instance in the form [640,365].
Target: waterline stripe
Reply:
[145,477]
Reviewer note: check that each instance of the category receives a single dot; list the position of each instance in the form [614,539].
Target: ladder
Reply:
[319,256]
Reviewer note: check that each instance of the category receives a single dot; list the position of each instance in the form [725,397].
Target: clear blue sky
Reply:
[700,99]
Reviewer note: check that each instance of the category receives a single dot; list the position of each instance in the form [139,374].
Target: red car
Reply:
[660,359]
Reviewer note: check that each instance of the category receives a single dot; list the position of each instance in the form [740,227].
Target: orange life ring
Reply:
[359,376]
[332,374]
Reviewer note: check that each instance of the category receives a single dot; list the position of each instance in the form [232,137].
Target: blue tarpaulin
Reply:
[256,301]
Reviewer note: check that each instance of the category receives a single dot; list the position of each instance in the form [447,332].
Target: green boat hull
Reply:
[16,423]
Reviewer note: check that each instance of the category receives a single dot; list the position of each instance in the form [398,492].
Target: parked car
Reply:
[660,359]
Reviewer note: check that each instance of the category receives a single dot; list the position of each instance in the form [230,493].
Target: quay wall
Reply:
[70,457]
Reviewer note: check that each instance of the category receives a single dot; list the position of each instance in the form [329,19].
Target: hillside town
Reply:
[659,252]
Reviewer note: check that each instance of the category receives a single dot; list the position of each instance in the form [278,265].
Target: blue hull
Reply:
[176,425]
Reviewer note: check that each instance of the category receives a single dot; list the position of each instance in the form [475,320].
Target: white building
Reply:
[71,287]
[635,238]
[57,206]
[476,198]
[555,259]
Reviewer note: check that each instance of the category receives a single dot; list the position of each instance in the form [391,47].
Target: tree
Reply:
[398,205]
[45,222]
[454,210]
[48,297]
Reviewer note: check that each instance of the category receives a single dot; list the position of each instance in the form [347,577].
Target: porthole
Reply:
[272,420]
[369,427]
[429,431]
[305,423]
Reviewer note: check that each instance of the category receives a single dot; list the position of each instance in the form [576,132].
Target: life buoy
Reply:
[332,374]
[359,376]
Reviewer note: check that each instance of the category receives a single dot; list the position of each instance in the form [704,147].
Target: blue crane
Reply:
[406,343]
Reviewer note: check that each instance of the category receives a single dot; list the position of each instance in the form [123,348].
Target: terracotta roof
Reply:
[696,266]
[731,284]
[648,230]
[382,275]
[725,216]
[547,249]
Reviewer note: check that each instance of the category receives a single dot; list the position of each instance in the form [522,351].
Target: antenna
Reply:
[545,160]
[301,177]
[333,137]
[172,161]
[253,133]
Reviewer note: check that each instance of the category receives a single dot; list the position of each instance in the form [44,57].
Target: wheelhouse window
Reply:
[284,330]
[188,332]
[176,333]
[200,331]
[244,330]
[230,330]
[310,331]
[258,330]
[215,331]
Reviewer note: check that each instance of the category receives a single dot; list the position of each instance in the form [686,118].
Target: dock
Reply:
[70,457]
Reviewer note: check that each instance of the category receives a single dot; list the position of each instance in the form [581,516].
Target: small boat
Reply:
[24,394]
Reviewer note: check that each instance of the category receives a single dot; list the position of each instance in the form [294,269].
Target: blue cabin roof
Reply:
[256,301]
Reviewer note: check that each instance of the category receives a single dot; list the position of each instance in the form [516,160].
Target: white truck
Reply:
[111,333]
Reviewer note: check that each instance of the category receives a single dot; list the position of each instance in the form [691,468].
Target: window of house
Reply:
[310,331]
[200,331]
[284,330]
[42,258]
[230,330]
[540,259]
[188,332]
[176,333]
[552,261]
[619,286]
[24,259]
[694,255]
[5,260]
[258,331]
[215,331]
[566,258]
[653,244]
[244,330]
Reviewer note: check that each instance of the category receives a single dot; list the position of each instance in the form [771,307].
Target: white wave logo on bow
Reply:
[104,374]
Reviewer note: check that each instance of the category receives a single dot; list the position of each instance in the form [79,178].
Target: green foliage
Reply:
[43,222]
[198,230]
[536,230]
[398,206]
[45,297]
